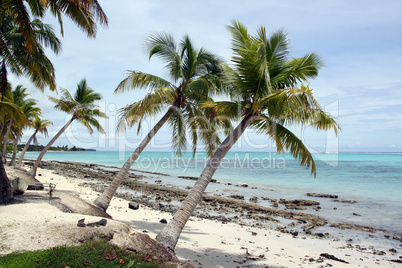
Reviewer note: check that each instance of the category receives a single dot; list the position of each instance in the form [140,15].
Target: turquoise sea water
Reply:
[365,175]
[373,180]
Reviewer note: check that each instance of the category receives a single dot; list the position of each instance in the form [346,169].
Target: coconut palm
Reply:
[30,111]
[265,87]
[82,12]
[19,99]
[7,108]
[193,73]
[83,109]
[14,57]
[36,66]
[40,126]
[31,60]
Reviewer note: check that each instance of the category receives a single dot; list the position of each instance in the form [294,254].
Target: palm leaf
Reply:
[285,140]
[137,79]
[152,103]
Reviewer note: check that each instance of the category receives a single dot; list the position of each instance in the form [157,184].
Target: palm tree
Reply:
[264,85]
[82,12]
[30,111]
[18,98]
[14,57]
[7,107]
[82,107]
[193,73]
[31,60]
[40,126]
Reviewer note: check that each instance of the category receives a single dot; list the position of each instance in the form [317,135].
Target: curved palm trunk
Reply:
[104,199]
[5,140]
[19,163]
[14,157]
[4,124]
[6,194]
[32,172]
[171,233]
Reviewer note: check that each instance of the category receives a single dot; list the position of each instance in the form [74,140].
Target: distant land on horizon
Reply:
[34,148]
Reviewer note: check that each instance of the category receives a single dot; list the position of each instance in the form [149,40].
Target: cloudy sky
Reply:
[360,42]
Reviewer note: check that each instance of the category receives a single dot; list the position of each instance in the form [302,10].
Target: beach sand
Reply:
[203,243]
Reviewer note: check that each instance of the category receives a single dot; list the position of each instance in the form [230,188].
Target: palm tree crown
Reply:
[82,106]
[82,12]
[194,74]
[39,125]
[264,83]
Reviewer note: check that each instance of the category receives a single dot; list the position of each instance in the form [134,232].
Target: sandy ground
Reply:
[203,243]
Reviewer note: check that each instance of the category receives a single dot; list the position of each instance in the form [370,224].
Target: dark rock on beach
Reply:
[322,195]
[236,196]
[133,205]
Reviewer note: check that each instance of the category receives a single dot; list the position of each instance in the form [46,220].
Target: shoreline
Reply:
[227,232]
[238,214]
[303,209]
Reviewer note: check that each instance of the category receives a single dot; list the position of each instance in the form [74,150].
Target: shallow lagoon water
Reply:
[373,180]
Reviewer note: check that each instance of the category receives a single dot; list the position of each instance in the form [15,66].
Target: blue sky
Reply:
[360,42]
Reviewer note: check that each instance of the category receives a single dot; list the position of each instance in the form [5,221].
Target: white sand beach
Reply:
[204,243]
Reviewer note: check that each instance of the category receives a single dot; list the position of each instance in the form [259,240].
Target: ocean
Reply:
[374,181]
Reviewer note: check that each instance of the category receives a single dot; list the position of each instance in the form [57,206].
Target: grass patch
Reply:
[97,253]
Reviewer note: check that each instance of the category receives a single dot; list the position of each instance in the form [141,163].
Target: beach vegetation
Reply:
[30,111]
[95,253]
[40,125]
[82,107]
[18,98]
[83,13]
[21,50]
[267,94]
[193,74]
[36,66]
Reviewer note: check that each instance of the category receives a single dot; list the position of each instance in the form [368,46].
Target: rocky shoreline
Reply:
[224,209]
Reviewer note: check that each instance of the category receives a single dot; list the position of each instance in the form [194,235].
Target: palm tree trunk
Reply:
[32,172]
[5,140]
[4,124]
[14,157]
[19,163]
[169,235]
[6,194]
[104,199]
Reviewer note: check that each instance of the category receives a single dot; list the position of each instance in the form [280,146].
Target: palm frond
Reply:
[225,109]
[137,79]
[152,103]
[163,45]
[178,124]
[285,140]
[297,106]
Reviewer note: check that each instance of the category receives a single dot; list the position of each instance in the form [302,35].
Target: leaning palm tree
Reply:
[40,126]
[266,95]
[82,107]
[19,95]
[7,107]
[193,73]
[31,60]
[30,111]
[15,58]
